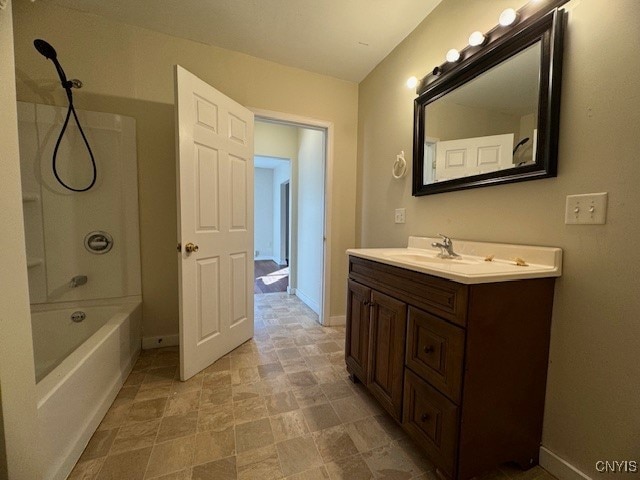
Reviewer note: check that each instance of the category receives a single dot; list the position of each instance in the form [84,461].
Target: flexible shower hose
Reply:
[71,109]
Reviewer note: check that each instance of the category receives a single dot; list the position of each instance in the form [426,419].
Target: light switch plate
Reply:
[586,209]
[399,217]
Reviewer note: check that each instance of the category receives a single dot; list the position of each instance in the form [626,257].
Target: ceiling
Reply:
[269,162]
[341,38]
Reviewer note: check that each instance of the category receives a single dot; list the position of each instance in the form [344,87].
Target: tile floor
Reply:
[279,406]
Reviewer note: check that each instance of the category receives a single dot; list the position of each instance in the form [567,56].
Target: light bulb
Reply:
[412,82]
[453,55]
[476,38]
[508,17]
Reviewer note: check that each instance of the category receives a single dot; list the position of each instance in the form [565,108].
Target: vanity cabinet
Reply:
[461,367]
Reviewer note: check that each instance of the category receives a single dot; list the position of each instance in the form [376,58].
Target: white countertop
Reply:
[471,267]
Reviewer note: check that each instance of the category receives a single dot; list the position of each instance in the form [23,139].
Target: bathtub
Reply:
[80,368]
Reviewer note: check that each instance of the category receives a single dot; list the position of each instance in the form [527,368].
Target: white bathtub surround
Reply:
[74,397]
[471,266]
[57,220]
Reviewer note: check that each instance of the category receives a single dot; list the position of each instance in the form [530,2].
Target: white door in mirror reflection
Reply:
[472,156]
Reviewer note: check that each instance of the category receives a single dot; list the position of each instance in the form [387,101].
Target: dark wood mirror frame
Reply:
[544,26]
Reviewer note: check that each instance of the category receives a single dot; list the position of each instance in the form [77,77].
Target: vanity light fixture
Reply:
[508,17]
[412,82]
[453,55]
[476,39]
[479,41]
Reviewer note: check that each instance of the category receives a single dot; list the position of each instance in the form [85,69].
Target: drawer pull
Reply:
[429,349]
[424,417]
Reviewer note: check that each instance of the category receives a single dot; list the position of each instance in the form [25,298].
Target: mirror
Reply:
[493,117]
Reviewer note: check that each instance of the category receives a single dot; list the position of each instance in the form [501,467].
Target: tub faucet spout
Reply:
[77,281]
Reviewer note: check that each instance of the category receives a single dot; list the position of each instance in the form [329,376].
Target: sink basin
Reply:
[421,258]
[470,267]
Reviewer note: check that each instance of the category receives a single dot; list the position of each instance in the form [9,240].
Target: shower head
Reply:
[45,49]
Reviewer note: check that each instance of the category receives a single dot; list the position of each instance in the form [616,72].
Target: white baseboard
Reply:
[265,257]
[312,304]
[158,342]
[559,467]
[336,321]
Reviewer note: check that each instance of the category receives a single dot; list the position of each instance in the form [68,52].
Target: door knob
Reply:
[190,248]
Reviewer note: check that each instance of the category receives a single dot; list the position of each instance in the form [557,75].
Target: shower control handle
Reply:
[190,248]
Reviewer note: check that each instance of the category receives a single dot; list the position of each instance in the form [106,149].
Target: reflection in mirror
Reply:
[487,124]
[493,116]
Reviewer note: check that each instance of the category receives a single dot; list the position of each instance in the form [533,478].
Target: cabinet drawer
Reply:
[445,298]
[435,351]
[432,420]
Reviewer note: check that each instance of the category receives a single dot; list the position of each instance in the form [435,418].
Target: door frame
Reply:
[300,121]
[285,226]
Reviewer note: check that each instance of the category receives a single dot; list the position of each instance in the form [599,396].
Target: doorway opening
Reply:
[271,224]
[290,214]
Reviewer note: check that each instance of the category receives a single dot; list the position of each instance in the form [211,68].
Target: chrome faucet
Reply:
[446,247]
[77,281]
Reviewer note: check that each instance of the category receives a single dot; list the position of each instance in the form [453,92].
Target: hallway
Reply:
[279,406]
[270,277]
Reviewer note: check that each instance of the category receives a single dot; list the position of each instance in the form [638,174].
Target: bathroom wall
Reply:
[17,377]
[594,380]
[129,70]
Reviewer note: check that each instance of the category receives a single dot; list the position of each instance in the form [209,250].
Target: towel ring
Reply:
[399,166]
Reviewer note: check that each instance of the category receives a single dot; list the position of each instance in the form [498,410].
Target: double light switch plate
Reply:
[586,209]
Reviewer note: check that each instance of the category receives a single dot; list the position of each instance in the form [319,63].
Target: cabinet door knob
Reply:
[424,417]
[429,349]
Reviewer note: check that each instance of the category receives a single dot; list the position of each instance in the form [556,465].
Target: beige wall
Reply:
[594,379]
[128,70]
[17,377]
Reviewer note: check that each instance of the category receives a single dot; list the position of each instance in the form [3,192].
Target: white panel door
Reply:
[471,156]
[215,219]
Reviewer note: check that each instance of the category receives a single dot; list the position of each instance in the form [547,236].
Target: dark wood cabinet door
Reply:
[357,332]
[386,351]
